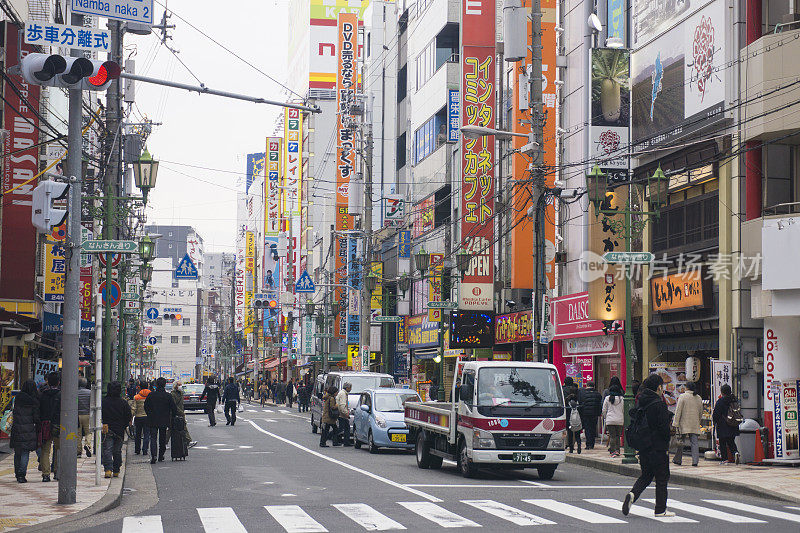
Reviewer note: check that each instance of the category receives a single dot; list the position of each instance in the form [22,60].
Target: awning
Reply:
[686,344]
[12,324]
[274,363]
[424,353]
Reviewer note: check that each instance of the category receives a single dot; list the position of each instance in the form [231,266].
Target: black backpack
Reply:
[638,432]
[734,415]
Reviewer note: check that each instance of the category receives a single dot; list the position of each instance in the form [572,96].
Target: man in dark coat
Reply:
[23,428]
[50,425]
[725,432]
[654,460]
[212,395]
[289,393]
[231,400]
[160,408]
[590,403]
[116,417]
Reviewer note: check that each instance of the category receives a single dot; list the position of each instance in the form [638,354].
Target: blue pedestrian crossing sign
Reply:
[186,269]
[152,313]
[304,283]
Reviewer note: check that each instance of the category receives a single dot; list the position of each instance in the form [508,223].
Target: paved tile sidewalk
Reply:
[34,502]
[775,481]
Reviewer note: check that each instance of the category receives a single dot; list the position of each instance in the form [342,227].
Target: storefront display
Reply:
[785,427]
[513,333]
[674,376]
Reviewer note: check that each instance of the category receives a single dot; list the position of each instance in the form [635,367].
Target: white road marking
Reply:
[575,512]
[201,447]
[224,449]
[638,510]
[468,486]
[294,519]
[220,444]
[288,495]
[346,465]
[506,512]
[534,483]
[220,520]
[363,514]
[252,411]
[284,411]
[793,507]
[245,447]
[267,411]
[707,511]
[756,509]
[437,514]
[142,524]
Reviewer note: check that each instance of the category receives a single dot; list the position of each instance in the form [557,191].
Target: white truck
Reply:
[504,414]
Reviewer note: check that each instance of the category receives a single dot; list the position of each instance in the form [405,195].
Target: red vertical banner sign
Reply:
[18,255]
[522,249]
[477,161]
[347,24]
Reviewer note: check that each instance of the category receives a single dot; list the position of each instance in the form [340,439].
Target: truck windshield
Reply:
[362,383]
[518,387]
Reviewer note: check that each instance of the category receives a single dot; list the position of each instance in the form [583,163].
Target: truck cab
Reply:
[503,414]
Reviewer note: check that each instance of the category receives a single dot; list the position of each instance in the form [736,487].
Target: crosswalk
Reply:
[529,512]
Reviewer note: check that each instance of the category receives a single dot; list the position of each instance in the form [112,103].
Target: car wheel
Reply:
[313,425]
[422,451]
[547,471]
[372,447]
[356,442]
[466,466]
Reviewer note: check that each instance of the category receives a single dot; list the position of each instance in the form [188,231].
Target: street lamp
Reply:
[422,260]
[146,249]
[404,283]
[473,131]
[145,171]
[371,281]
[463,259]
[146,273]
[309,308]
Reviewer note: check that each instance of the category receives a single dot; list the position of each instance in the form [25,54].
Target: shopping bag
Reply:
[241,408]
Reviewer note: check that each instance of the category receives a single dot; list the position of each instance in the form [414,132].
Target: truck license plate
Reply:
[521,457]
[399,437]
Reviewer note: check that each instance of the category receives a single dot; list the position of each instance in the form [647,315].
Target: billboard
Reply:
[610,108]
[255,168]
[323,44]
[679,79]
[292,161]
[650,19]
[476,291]
[272,195]
[21,122]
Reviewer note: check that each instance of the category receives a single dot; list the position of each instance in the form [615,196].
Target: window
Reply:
[401,151]
[185,339]
[174,322]
[170,234]
[187,322]
[402,83]
[430,136]
[426,64]
[173,339]
[170,246]
[688,226]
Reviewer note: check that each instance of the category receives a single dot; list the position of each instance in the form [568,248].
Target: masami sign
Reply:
[570,317]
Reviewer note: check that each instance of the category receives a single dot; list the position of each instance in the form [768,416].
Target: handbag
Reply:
[241,408]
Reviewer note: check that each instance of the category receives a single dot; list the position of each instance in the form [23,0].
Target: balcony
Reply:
[768,65]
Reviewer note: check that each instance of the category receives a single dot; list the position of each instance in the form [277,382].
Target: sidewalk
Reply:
[782,482]
[34,502]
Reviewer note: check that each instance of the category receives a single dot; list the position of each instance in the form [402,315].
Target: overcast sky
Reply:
[203,130]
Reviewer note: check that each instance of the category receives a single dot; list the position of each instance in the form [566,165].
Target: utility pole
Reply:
[366,297]
[536,106]
[68,441]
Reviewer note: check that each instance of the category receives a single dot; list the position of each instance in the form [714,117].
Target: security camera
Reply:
[594,23]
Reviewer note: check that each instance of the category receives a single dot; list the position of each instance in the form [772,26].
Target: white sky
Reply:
[204,130]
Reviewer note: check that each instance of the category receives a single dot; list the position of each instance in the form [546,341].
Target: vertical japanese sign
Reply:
[241,262]
[376,299]
[610,104]
[453,114]
[255,168]
[404,244]
[354,291]
[250,272]
[55,271]
[522,231]
[606,281]
[347,24]
[435,287]
[21,122]
[293,160]
[477,163]
[272,194]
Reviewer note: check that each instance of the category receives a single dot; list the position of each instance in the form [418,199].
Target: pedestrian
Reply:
[589,407]
[650,423]
[344,413]
[282,392]
[177,396]
[23,428]
[160,409]
[727,417]
[688,413]
[303,397]
[116,417]
[231,400]
[212,394]
[49,426]
[433,391]
[289,393]
[264,392]
[614,415]
[635,384]
[570,391]
[130,392]
[330,417]
[140,424]
[84,407]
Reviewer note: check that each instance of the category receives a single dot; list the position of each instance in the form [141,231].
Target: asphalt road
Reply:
[267,473]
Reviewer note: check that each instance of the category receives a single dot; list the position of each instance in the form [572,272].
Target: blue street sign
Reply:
[304,283]
[152,340]
[186,269]
[152,313]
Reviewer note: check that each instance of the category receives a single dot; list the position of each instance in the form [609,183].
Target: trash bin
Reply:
[746,441]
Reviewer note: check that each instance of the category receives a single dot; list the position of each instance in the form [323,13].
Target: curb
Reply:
[683,479]
[109,501]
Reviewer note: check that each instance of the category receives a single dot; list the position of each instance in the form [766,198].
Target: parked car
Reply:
[379,419]
[360,381]
[191,397]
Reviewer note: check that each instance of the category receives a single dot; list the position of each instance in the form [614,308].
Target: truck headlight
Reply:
[557,441]
[482,439]
[380,421]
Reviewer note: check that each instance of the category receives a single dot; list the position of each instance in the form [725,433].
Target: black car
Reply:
[191,397]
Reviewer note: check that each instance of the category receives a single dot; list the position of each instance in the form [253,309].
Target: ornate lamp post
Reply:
[598,190]
[145,172]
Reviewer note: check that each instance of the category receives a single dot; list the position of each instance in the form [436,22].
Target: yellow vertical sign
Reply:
[55,269]
[376,301]
[250,274]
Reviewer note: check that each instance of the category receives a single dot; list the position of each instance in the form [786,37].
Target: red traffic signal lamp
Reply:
[69,72]
[103,74]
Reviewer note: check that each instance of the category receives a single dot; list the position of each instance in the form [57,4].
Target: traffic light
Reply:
[172,316]
[69,72]
[43,215]
[265,301]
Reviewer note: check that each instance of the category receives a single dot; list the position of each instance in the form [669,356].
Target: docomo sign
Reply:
[781,346]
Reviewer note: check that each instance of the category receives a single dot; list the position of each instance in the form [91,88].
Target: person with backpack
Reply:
[575,426]
[727,416]
[649,433]
[590,404]
[570,391]
[614,415]
[687,422]
[330,417]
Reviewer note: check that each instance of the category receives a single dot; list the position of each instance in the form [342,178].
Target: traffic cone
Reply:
[759,455]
